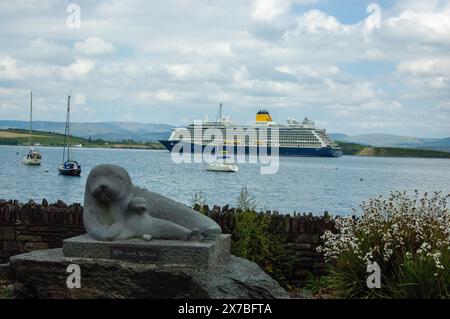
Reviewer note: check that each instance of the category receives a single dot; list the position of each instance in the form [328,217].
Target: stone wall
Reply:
[28,227]
[31,226]
[300,234]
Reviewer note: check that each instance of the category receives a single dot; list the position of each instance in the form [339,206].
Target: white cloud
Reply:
[314,22]
[94,46]
[444,106]
[81,68]
[268,10]
[7,93]
[427,73]
[419,26]
[164,96]
[79,99]
[425,67]
[178,70]
[148,97]
[246,54]
[8,68]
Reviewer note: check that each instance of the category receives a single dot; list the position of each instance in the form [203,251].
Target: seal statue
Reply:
[115,209]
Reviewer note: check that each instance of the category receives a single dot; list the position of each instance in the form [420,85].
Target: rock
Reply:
[243,279]
[4,271]
[43,274]
[19,291]
[44,203]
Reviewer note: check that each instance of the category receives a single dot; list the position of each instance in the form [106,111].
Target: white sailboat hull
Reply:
[31,161]
[222,167]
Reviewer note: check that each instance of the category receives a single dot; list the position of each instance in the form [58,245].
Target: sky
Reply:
[355,67]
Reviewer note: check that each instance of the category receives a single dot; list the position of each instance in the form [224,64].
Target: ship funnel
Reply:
[263,116]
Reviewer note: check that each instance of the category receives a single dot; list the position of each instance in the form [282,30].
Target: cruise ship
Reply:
[290,139]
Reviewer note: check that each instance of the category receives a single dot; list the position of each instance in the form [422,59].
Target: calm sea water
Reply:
[301,184]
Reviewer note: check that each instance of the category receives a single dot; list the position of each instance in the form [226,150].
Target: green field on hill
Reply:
[362,150]
[20,137]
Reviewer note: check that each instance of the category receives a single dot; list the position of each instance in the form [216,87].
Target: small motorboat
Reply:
[70,168]
[221,165]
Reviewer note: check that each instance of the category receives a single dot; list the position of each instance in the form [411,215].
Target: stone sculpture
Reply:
[115,209]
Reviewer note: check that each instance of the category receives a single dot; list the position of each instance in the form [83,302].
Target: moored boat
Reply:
[264,137]
[222,165]
[68,167]
[33,157]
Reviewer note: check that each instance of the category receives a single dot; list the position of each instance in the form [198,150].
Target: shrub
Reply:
[252,238]
[199,202]
[408,237]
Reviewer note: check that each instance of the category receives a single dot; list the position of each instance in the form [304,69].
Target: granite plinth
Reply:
[195,254]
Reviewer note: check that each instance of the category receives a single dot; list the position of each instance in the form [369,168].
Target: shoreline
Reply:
[144,147]
[91,147]
[18,137]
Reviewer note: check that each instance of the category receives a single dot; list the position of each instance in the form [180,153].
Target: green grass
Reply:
[361,150]
[4,293]
[20,137]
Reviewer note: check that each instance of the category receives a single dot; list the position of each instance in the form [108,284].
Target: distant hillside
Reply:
[20,137]
[364,150]
[388,140]
[339,136]
[112,131]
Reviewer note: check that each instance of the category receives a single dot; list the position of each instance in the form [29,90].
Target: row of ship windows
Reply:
[248,138]
[295,144]
[247,131]
[268,141]
[291,137]
[252,132]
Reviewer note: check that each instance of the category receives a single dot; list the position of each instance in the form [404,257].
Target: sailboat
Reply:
[222,165]
[34,156]
[68,166]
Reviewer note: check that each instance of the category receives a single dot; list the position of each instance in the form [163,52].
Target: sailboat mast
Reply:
[68,128]
[219,114]
[65,136]
[31,119]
